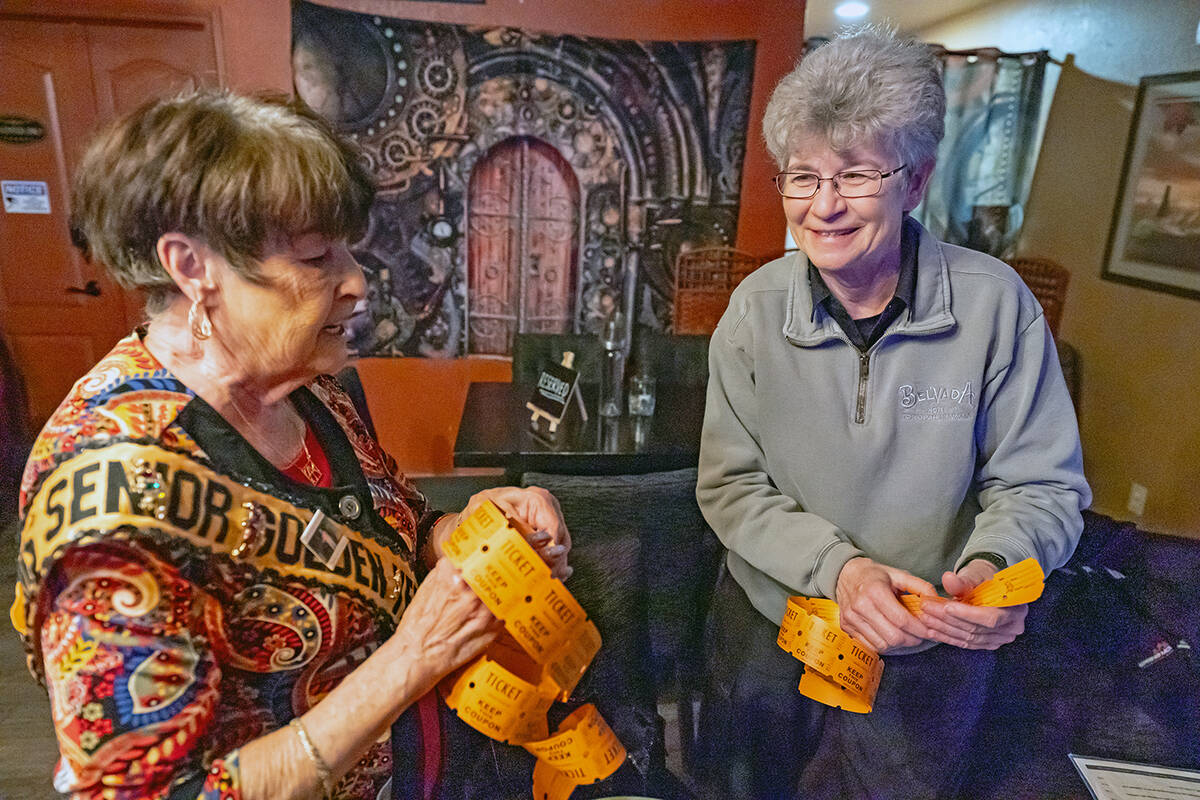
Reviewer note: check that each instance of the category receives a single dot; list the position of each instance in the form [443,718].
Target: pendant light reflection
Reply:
[851,10]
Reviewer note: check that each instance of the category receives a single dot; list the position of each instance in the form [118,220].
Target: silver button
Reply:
[350,507]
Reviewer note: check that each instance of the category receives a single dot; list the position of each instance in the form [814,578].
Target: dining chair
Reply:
[773,255]
[704,279]
[1048,280]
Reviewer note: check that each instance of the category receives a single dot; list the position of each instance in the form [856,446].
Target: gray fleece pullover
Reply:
[954,434]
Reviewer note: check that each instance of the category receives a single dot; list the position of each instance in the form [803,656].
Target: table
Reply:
[495,432]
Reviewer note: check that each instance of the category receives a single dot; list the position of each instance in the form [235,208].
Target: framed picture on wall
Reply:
[1154,241]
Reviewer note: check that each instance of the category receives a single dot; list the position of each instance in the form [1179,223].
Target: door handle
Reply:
[91,289]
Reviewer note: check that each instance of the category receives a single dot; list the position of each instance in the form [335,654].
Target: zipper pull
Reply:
[864,370]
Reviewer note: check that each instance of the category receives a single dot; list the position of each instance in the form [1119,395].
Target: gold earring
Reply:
[199,322]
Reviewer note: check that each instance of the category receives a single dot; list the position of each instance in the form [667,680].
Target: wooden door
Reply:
[132,65]
[59,313]
[522,253]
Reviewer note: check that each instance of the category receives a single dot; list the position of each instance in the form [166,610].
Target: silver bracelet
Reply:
[324,773]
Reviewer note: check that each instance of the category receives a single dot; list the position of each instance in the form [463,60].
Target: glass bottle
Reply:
[615,339]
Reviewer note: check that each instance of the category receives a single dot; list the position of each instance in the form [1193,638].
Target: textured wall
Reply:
[527,180]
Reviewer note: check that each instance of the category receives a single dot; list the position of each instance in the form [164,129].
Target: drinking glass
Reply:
[641,395]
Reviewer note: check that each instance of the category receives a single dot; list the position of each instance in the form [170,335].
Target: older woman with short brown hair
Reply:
[225,584]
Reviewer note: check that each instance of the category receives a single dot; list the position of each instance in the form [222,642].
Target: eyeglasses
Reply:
[855,183]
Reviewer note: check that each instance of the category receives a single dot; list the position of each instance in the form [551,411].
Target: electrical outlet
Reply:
[1137,498]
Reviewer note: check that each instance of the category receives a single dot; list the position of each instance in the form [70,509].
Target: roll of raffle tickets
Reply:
[843,672]
[547,645]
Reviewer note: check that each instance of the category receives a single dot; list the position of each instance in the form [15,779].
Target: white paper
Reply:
[1108,779]
[25,197]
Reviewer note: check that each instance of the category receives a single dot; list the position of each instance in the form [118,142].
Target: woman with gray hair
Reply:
[885,414]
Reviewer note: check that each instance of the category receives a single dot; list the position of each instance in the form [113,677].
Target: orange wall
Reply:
[256,37]
[416,403]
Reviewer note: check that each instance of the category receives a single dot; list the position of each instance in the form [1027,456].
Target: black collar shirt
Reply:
[863,333]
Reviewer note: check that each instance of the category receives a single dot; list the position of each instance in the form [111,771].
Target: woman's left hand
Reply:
[539,510]
[973,627]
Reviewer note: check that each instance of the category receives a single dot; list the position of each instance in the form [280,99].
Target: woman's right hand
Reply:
[870,611]
[444,627]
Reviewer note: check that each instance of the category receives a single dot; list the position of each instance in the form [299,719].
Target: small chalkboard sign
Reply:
[556,391]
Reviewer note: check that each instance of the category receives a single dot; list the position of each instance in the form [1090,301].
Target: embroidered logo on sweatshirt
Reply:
[929,402]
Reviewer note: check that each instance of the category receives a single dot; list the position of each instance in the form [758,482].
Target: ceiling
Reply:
[908,15]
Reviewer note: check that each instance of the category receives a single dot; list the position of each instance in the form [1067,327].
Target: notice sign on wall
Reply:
[25,197]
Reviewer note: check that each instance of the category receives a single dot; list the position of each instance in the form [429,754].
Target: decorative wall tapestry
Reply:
[528,182]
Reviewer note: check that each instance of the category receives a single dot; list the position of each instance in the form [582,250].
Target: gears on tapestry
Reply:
[527,182]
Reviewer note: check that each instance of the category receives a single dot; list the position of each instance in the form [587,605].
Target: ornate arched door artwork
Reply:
[522,244]
[632,151]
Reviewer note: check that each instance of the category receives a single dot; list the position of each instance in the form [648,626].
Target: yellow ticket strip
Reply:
[839,670]
[548,644]
[1016,585]
[843,672]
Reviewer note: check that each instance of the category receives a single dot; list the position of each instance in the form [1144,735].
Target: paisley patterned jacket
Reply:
[164,645]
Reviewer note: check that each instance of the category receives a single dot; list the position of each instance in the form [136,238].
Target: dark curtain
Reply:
[14,432]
